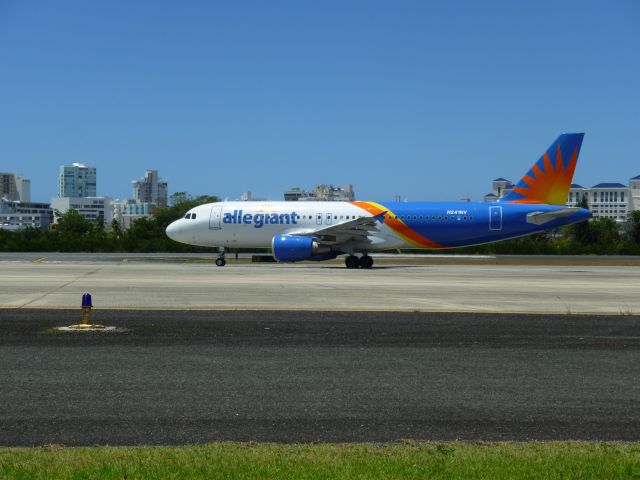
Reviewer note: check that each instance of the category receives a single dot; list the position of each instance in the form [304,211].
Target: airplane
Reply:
[309,230]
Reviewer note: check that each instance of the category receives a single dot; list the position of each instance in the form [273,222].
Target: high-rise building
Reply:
[77,180]
[150,189]
[23,186]
[14,187]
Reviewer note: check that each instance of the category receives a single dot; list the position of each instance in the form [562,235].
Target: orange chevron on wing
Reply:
[398,226]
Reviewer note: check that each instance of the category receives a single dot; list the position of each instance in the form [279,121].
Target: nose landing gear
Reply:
[354,262]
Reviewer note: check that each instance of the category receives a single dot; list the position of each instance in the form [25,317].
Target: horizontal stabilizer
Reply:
[540,218]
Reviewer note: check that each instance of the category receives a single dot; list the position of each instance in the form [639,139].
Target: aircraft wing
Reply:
[540,218]
[359,229]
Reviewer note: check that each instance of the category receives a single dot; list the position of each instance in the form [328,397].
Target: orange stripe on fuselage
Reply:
[398,226]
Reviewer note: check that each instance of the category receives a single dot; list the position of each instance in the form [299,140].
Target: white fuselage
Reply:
[254,224]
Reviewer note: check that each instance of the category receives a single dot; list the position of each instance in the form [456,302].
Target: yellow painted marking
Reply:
[38,260]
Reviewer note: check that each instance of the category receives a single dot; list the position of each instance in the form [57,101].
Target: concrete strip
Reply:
[470,288]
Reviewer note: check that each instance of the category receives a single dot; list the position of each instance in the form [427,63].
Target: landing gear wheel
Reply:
[366,261]
[221,262]
[352,261]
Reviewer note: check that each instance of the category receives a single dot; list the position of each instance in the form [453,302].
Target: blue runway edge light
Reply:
[86,300]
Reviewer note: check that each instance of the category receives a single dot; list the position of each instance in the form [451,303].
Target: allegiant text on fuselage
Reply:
[260,219]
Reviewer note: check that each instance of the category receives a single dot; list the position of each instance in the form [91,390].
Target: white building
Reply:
[634,190]
[609,200]
[323,193]
[127,211]
[91,208]
[16,215]
[248,197]
[576,194]
[150,189]
[499,188]
[77,180]
[15,187]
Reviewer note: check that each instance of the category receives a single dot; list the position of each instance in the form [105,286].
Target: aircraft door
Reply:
[495,218]
[216,217]
[329,217]
[318,219]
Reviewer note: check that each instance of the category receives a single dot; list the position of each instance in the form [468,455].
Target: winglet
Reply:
[549,179]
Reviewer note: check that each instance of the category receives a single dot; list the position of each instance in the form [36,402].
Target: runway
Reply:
[581,285]
[177,377]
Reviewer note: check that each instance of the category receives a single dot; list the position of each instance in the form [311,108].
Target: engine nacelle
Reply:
[296,248]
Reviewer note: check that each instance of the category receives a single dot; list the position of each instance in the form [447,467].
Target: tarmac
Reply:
[185,282]
[184,377]
[469,348]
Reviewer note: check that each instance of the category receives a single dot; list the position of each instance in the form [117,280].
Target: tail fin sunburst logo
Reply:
[549,179]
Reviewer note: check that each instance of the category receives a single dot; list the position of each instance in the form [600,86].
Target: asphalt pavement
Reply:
[178,377]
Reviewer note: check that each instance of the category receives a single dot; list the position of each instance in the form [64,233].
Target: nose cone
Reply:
[173,231]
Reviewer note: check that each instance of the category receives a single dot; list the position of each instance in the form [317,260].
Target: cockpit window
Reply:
[188,215]
[193,216]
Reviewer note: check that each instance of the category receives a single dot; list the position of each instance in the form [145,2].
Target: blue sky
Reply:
[427,100]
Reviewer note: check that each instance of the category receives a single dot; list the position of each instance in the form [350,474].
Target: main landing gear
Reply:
[354,262]
[220,261]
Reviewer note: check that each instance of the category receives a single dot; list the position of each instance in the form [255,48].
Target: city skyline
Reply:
[225,98]
[100,192]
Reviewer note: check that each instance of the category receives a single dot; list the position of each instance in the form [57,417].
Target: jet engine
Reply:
[296,248]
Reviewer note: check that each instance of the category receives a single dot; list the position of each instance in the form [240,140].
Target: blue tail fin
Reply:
[549,179]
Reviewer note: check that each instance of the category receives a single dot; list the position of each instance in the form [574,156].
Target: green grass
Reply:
[544,460]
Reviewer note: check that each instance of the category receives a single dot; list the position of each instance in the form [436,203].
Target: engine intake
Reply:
[296,248]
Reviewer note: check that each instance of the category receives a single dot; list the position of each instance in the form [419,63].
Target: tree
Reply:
[116,228]
[179,197]
[581,232]
[632,227]
[72,223]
